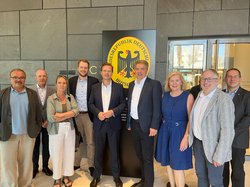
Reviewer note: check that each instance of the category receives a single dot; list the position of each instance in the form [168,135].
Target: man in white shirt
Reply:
[211,130]
[106,102]
[43,91]
[144,117]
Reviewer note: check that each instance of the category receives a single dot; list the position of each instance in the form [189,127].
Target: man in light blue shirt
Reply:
[20,124]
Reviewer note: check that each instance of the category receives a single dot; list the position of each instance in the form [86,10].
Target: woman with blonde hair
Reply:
[61,108]
[172,148]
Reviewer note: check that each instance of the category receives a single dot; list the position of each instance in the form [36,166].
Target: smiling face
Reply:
[232,79]
[41,78]
[17,79]
[61,85]
[141,71]
[83,68]
[209,81]
[106,72]
[175,83]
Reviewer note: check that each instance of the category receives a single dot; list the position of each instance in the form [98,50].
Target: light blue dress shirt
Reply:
[19,105]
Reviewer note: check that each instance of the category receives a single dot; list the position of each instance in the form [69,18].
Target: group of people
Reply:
[214,122]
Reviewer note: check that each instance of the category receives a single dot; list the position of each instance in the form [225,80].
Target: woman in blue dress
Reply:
[172,148]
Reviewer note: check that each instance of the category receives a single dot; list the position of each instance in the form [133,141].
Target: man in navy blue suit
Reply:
[241,100]
[106,102]
[144,117]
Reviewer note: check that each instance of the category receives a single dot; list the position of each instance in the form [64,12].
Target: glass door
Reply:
[189,58]
[228,53]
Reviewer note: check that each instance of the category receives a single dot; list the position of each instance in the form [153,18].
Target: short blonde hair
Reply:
[167,87]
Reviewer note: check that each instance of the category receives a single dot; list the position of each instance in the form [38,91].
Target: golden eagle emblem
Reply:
[126,65]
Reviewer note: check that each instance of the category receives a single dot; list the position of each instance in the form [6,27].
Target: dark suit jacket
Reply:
[73,84]
[49,92]
[149,106]
[34,114]
[117,104]
[195,90]
[242,118]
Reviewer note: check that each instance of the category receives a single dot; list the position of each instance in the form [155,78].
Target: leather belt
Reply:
[83,112]
[136,120]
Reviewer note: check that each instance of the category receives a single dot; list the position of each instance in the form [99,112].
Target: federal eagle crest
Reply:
[126,65]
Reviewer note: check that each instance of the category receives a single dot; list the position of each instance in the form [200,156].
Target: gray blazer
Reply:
[217,127]
[49,91]
[34,114]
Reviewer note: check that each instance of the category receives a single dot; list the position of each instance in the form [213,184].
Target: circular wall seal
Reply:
[123,55]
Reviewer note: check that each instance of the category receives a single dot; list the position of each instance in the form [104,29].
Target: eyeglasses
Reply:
[208,79]
[18,78]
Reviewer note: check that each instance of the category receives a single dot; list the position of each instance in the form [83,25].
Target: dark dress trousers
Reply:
[149,112]
[241,140]
[43,132]
[109,128]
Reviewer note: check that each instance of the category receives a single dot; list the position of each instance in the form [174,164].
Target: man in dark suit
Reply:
[241,100]
[80,87]
[43,92]
[106,103]
[20,124]
[144,117]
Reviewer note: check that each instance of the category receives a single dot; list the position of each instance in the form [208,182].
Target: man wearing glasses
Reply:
[20,124]
[241,100]
[211,130]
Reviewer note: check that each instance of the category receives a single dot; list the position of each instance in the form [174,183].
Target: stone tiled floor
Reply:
[82,179]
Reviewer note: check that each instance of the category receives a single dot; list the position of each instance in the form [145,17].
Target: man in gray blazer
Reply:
[20,123]
[211,130]
[43,92]
[241,99]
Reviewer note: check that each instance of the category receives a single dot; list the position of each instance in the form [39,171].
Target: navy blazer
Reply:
[73,84]
[117,104]
[241,102]
[149,106]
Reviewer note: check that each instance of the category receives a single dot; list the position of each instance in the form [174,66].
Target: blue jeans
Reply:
[206,172]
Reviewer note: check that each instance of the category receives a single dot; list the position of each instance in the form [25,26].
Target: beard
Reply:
[83,75]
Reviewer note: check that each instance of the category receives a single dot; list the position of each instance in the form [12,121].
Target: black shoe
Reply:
[94,182]
[118,182]
[47,171]
[169,185]
[91,171]
[76,167]
[35,171]
[138,184]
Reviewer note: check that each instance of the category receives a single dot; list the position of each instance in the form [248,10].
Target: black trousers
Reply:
[45,149]
[237,169]
[113,138]
[144,148]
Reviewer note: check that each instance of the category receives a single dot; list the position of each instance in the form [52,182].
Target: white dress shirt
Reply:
[42,93]
[106,95]
[199,111]
[135,98]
